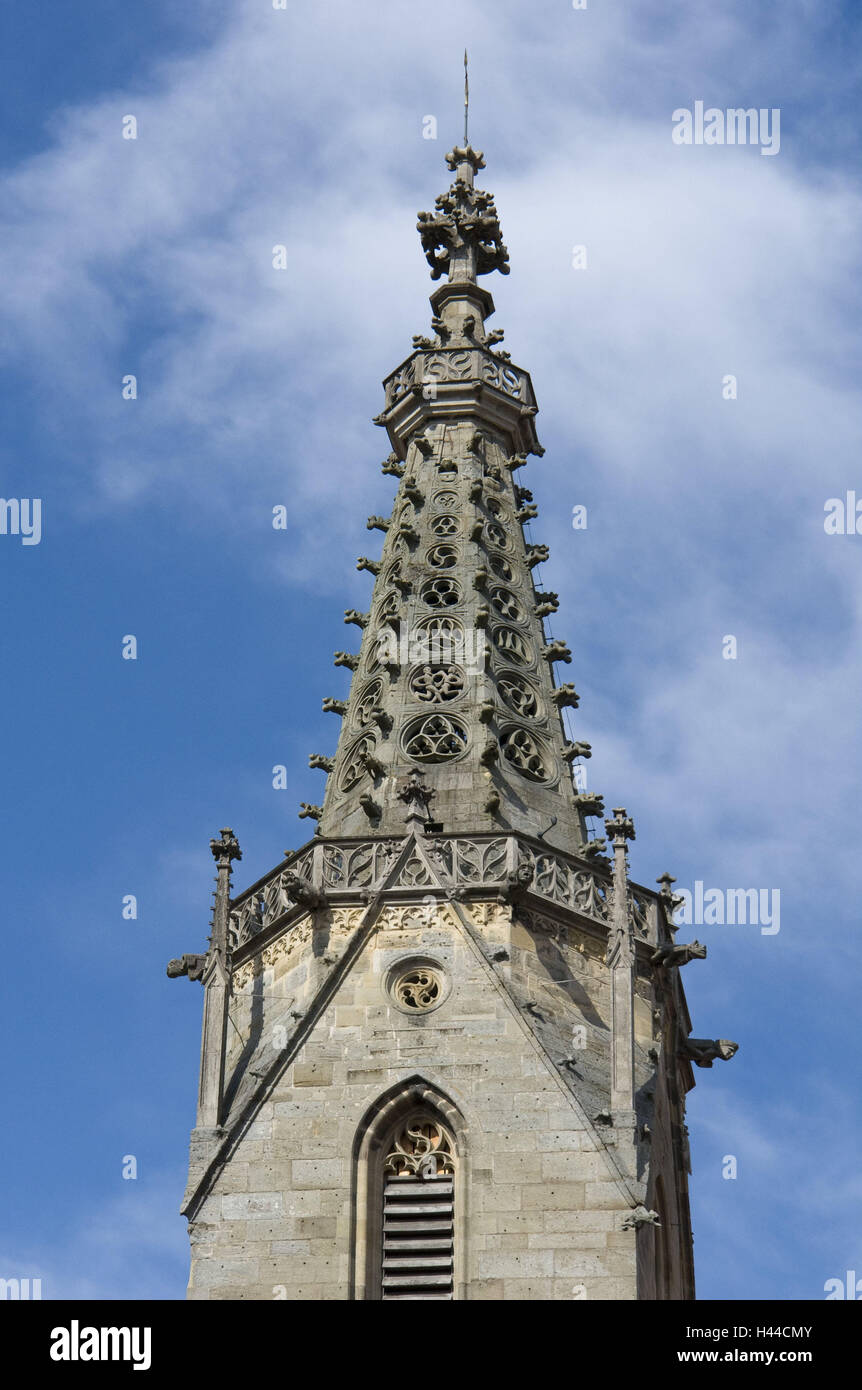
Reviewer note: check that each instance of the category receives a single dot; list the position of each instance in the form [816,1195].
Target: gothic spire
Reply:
[455,673]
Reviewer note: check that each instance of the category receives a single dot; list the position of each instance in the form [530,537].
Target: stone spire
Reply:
[454,677]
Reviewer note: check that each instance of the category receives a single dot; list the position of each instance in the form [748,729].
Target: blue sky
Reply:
[257,387]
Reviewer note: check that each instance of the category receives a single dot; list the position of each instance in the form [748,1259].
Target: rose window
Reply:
[435,739]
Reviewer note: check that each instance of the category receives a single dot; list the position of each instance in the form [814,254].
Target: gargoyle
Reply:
[193,966]
[516,461]
[577,750]
[490,753]
[537,555]
[308,812]
[425,447]
[475,490]
[480,578]
[566,695]
[393,465]
[318,760]
[348,659]
[408,533]
[373,566]
[492,802]
[640,1217]
[486,711]
[370,806]
[300,891]
[590,803]
[556,651]
[704,1051]
[420,341]
[549,604]
[519,880]
[381,718]
[670,955]
[353,615]
[495,336]
[523,494]
[526,513]
[331,706]
[413,492]
[377,523]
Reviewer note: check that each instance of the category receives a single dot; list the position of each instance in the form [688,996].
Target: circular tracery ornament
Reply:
[442,557]
[512,645]
[506,604]
[525,753]
[417,985]
[495,534]
[440,593]
[501,568]
[446,525]
[436,685]
[369,700]
[518,694]
[436,738]
[445,501]
[355,768]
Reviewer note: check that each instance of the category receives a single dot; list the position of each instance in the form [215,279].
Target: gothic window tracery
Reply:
[442,557]
[512,645]
[355,762]
[506,604]
[518,694]
[525,754]
[368,700]
[445,525]
[441,593]
[435,739]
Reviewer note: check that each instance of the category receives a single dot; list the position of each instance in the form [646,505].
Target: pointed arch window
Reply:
[409,1196]
[418,1226]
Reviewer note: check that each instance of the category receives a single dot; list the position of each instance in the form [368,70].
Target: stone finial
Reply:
[417,797]
[621,827]
[225,848]
[671,901]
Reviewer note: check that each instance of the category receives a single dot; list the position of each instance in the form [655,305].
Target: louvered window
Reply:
[419,1213]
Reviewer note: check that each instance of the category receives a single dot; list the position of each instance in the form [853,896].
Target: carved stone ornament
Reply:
[422,1148]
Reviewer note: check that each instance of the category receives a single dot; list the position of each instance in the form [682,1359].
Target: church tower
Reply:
[445,1043]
